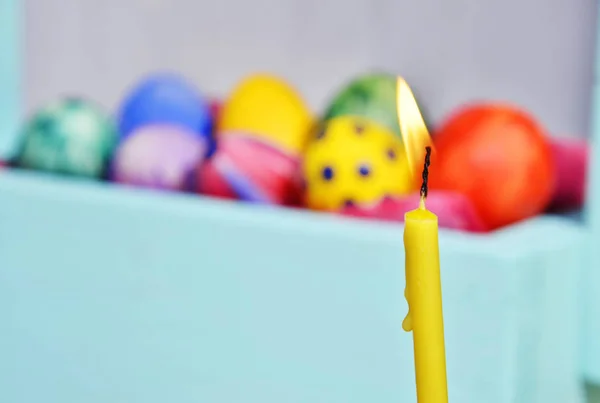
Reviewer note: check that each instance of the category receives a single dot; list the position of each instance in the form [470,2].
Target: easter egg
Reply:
[70,136]
[372,96]
[158,156]
[454,210]
[354,161]
[165,99]
[269,109]
[499,157]
[246,168]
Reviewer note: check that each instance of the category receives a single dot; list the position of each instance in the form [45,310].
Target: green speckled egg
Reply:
[371,96]
[71,136]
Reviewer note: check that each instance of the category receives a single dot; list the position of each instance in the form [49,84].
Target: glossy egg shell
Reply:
[158,156]
[354,161]
[499,157]
[70,136]
[168,99]
[244,167]
[268,108]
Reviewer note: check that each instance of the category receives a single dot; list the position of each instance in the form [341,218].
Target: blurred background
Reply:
[267,103]
[535,53]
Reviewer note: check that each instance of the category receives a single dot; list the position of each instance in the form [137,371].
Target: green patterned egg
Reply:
[71,136]
[371,96]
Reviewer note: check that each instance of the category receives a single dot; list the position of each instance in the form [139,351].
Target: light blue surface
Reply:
[10,74]
[590,356]
[110,294]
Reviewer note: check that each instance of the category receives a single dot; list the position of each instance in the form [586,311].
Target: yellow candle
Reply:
[424,296]
[423,286]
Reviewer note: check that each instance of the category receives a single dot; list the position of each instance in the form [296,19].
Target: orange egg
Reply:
[499,157]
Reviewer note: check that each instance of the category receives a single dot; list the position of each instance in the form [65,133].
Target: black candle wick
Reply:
[425,185]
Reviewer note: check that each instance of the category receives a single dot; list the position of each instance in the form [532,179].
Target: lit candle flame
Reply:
[415,135]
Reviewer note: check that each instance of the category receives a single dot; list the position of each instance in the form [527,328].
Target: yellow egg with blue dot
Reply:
[354,161]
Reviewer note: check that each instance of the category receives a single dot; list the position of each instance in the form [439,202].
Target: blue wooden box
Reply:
[110,294]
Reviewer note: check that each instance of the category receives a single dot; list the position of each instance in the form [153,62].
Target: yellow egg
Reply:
[354,161]
[266,107]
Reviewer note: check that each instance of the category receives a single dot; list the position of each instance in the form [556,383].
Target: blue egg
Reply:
[165,99]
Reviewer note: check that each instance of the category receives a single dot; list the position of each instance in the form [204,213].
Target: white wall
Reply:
[537,53]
